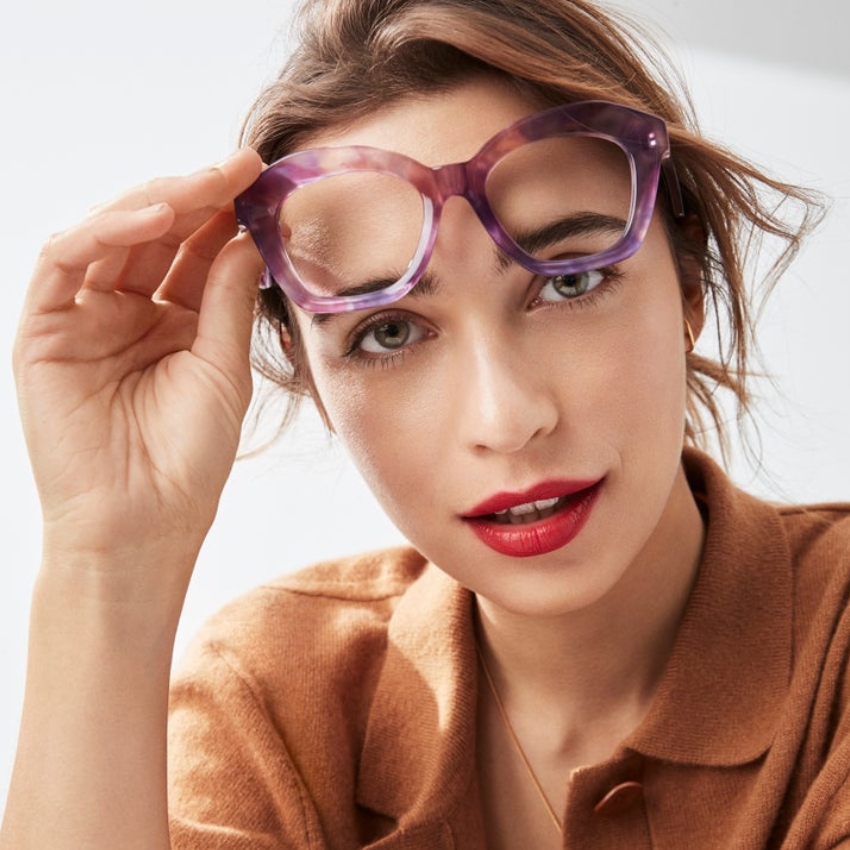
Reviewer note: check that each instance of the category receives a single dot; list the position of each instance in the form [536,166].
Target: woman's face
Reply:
[492,389]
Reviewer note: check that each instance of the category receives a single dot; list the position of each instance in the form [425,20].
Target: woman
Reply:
[594,640]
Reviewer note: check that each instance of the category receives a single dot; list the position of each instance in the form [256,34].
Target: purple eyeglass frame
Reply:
[641,136]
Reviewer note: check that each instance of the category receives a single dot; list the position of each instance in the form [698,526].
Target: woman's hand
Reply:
[133,377]
[132,366]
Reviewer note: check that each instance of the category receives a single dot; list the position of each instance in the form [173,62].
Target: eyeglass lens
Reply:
[558,198]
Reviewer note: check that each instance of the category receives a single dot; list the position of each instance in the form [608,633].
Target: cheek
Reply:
[384,424]
[651,379]
[631,384]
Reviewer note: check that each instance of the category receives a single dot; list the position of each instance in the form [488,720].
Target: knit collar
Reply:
[719,700]
[717,704]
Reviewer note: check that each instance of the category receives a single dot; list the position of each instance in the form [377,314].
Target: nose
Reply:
[506,399]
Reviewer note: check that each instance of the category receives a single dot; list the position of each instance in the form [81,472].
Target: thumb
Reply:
[227,308]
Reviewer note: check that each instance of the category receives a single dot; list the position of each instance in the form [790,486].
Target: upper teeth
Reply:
[528,507]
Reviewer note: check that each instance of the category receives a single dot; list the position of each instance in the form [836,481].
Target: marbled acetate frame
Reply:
[642,137]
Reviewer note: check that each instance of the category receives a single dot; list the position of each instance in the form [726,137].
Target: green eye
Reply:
[567,286]
[390,334]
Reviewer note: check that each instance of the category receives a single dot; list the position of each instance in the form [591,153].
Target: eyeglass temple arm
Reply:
[674,188]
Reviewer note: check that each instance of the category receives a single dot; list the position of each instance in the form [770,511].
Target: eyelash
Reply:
[353,353]
[611,277]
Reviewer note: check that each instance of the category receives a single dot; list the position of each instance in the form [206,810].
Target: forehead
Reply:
[437,129]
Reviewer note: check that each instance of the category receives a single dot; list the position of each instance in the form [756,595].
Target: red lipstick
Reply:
[536,521]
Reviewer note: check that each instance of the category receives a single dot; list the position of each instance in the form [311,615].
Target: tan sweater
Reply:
[335,708]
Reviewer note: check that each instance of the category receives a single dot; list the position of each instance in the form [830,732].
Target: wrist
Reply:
[127,592]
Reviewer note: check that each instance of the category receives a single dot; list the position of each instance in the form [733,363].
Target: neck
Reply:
[598,668]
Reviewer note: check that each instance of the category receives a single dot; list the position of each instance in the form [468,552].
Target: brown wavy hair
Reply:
[354,57]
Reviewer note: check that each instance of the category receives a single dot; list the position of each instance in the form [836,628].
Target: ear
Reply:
[300,365]
[285,340]
[692,242]
[693,305]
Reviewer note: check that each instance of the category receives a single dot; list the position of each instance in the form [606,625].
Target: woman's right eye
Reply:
[388,335]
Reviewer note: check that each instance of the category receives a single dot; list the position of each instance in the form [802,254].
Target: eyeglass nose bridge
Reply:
[460,180]
[451,180]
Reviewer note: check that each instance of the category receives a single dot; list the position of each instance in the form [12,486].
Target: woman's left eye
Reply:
[567,286]
[389,335]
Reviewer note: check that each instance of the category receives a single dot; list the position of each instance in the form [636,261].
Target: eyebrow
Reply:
[529,241]
[580,224]
[427,285]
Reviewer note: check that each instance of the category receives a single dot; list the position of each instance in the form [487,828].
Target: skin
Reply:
[137,325]
[499,389]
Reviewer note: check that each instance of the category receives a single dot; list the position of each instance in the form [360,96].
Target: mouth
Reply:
[529,512]
[537,521]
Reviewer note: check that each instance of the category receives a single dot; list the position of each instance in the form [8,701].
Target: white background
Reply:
[98,96]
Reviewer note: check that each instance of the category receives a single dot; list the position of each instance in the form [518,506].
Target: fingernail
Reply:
[155,209]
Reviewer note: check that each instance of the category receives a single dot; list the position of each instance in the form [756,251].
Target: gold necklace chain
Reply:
[515,741]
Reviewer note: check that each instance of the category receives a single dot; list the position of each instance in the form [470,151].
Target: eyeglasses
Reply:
[561,192]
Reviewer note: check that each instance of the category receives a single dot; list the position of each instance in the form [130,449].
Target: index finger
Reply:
[212,187]
[66,257]
[195,199]
[142,216]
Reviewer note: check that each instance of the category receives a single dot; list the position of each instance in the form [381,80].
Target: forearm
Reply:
[132,370]
[91,768]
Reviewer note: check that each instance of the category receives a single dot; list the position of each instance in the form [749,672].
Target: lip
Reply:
[544,490]
[540,537]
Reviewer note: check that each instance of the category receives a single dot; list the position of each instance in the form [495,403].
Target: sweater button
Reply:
[619,799]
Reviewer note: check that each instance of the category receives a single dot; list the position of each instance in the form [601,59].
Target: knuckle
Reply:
[154,191]
[151,192]
[51,250]
[220,181]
